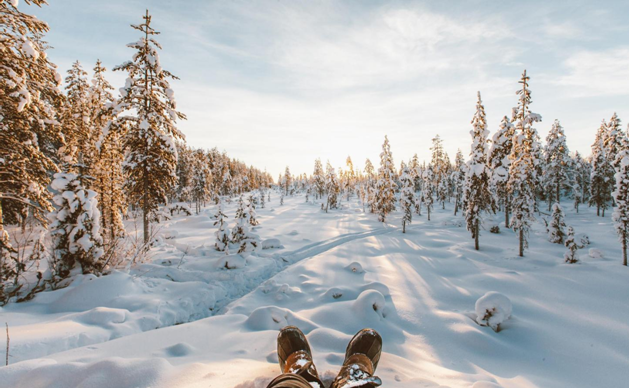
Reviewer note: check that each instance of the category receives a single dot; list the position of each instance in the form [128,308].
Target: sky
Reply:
[280,83]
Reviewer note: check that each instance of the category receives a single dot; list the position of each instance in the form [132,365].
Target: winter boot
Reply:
[361,359]
[294,355]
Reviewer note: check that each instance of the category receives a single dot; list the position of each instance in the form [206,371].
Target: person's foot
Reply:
[294,355]
[361,359]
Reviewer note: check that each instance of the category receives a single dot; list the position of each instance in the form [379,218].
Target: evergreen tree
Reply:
[427,192]
[580,180]
[407,197]
[571,254]
[201,178]
[151,115]
[614,139]
[350,177]
[385,186]
[223,233]
[74,227]
[620,216]
[478,195]
[440,166]
[251,210]
[107,162]
[458,177]
[502,144]
[288,180]
[246,241]
[522,182]
[557,225]
[332,187]
[319,179]
[556,164]
[29,131]
[600,182]
[79,139]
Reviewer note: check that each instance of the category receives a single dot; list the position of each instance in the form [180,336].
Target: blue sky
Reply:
[280,82]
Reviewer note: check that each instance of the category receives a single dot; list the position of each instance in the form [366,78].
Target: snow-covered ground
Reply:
[336,273]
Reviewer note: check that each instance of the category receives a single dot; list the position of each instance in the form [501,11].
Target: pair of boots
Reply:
[295,358]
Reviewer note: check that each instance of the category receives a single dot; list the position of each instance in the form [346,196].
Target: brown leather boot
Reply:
[361,359]
[294,355]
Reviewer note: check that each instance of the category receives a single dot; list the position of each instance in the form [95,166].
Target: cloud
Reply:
[597,72]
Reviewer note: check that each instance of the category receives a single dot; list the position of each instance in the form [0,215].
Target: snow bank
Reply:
[492,309]
[271,243]
[595,253]
[275,318]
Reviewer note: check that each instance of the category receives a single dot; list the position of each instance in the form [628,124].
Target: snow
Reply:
[183,320]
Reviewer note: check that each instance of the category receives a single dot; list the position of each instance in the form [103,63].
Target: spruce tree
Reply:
[557,225]
[600,183]
[458,177]
[332,187]
[29,130]
[428,189]
[620,216]
[76,114]
[251,210]
[222,233]
[319,179]
[148,109]
[246,241]
[556,164]
[502,144]
[385,186]
[581,178]
[201,177]
[407,197]
[523,181]
[288,180]
[571,254]
[74,227]
[478,195]
[108,158]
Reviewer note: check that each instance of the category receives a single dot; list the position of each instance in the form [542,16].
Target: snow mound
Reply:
[369,305]
[355,267]
[293,233]
[275,318]
[103,316]
[271,243]
[179,350]
[231,262]
[485,384]
[280,291]
[595,253]
[169,234]
[492,309]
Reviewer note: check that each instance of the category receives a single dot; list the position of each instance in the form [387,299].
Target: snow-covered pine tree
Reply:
[201,178]
[502,143]
[440,170]
[407,197]
[556,164]
[571,254]
[427,192]
[614,139]
[147,108]
[478,196]
[74,227]
[262,198]
[29,131]
[458,179]
[107,162]
[251,210]
[222,233]
[522,181]
[75,118]
[557,225]
[350,178]
[319,179]
[332,187]
[600,183]
[246,241]
[620,216]
[370,185]
[581,177]
[385,186]
[288,180]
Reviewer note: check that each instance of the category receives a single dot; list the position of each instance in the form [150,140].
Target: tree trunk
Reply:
[624,248]
[428,210]
[403,226]
[476,233]
[456,206]
[598,210]
[521,243]
[558,194]
[507,215]
[145,209]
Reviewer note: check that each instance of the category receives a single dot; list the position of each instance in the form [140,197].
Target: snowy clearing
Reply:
[338,273]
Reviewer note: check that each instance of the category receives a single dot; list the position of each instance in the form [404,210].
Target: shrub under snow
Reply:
[492,309]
